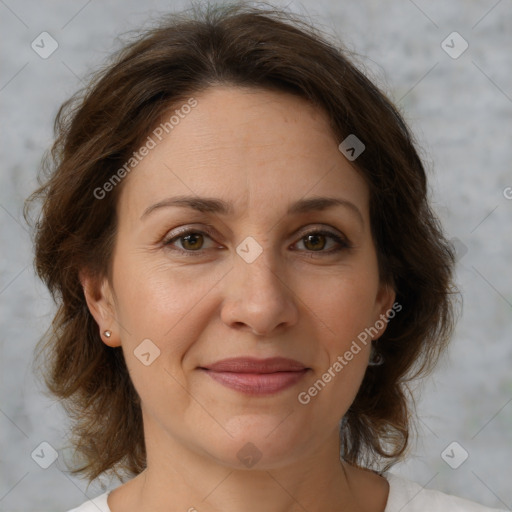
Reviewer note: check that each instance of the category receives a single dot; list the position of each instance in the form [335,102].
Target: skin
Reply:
[260,151]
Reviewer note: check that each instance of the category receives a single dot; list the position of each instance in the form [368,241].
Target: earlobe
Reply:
[98,296]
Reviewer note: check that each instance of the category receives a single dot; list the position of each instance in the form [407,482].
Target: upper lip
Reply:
[254,365]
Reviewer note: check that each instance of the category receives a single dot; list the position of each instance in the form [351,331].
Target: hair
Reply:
[98,129]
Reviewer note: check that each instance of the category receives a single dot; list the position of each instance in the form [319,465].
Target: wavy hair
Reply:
[96,132]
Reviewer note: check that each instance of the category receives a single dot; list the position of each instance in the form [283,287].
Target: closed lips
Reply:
[253,376]
[253,365]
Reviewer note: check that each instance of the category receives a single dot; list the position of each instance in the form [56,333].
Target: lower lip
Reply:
[257,383]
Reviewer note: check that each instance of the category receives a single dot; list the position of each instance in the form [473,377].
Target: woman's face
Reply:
[194,283]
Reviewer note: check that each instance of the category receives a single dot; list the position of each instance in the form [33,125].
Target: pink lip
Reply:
[256,376]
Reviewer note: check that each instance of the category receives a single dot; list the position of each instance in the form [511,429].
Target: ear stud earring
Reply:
[376,359]
[107,334]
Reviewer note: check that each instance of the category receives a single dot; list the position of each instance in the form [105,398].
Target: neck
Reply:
[179,479]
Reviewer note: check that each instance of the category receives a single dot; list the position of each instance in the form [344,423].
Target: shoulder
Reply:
[408,496]
[98,504]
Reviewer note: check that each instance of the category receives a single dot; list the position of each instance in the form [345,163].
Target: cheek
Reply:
[157,303]
[155,299]
[343,304]
[344,307]
[163,304]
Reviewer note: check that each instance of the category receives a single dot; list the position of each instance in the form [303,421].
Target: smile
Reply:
[257,383]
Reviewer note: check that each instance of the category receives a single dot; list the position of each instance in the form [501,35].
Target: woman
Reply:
[237,232]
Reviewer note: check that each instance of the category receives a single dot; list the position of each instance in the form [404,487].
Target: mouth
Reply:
[253,376]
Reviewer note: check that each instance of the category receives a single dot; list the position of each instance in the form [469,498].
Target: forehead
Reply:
[248,146]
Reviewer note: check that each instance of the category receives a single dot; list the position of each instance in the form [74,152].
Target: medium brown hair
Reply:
[96,132]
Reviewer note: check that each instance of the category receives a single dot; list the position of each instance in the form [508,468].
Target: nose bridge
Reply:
[258,269]
[258,297]
[261,275]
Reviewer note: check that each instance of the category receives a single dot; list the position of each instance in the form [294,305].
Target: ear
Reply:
[99,298]
[383,307]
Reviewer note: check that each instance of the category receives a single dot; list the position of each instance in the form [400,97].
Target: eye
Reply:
[316,241]
[191,241]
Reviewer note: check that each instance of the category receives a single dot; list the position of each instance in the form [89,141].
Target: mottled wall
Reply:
[460,108]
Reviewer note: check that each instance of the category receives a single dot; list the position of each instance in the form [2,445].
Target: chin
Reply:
[260,442]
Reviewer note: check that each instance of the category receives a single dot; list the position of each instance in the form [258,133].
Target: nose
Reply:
[258,298]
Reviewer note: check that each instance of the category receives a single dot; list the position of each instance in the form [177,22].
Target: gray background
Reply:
[460,110]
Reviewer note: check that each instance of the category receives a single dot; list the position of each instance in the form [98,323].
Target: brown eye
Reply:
[188,242]
[192,241]
[314,242]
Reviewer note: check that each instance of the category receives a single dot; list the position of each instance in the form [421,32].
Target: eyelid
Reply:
[337,236]
[340,238]
[188,229]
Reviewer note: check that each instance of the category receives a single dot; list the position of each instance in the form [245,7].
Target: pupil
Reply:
[194,240]
[315,238]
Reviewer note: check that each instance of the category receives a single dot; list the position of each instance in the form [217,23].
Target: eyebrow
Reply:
[214,205]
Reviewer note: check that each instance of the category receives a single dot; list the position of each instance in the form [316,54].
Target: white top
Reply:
[404,496]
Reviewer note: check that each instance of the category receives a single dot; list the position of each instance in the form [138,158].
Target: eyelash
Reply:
[344,243]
